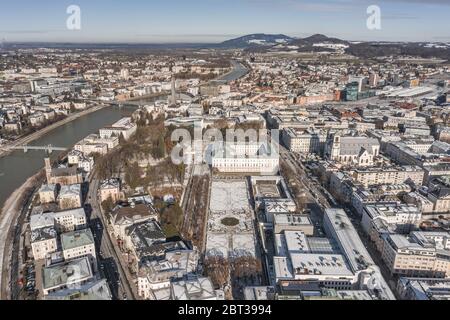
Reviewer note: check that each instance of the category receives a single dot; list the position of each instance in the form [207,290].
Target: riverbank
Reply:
[36,135]
[147,96]
[237,71]
[9,215]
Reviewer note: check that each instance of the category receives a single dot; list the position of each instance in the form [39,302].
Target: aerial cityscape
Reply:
[256,158]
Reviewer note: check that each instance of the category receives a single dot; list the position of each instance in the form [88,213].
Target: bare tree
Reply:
[218,269]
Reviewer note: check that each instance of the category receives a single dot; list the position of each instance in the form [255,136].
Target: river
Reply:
[18,166]
[238,71]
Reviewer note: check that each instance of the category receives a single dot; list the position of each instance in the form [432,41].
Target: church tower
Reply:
[48,170]
[173,98]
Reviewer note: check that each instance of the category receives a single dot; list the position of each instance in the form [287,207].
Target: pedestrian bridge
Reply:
[49,148]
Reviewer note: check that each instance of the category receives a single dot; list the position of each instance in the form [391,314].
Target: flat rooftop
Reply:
[195,289]
[322,245]
[325,264]
[67,273]
[75,239]
[267,189]
[292,219]
[96,290]
[348,239]
[291,242]
[309,264]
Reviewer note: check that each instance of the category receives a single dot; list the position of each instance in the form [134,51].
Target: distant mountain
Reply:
[317,39]
[380,49]
[256,40]
[314,43]
[260,42]
[322,43]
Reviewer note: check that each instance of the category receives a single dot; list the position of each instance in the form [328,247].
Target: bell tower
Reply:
[48,170]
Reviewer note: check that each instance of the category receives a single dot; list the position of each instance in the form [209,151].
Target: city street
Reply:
[110,264]
[273,158]
[320,196]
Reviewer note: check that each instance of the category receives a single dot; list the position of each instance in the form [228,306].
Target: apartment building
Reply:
[403,154]
[434,170]
[89,148]
[388,175]
[43,242]
[110,189]
[92,290]
[304,141]
[66,275]
[124,127]
[156,275]
[47,193]
[78,244]
[362,197]
[77,158]
[439,194]
[420,201]
[127,215]
[94,143]
[423,288]
[69,197]
[420,254]
[405,217]
[421,146]
[63,221]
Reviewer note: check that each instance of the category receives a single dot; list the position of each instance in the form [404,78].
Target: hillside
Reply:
[256,40]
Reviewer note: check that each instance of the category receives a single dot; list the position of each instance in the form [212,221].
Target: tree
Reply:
[173,215]
[108,205]
[159,150]
[246,266]
[133,175]
[171,218]
[122,140]
[218,269]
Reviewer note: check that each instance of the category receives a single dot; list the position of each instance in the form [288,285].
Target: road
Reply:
[110,264]
[303,179]
[8,231]
[320,196]
[187,195]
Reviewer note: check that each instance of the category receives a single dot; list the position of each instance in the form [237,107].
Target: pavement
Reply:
[312,189]
[111,264]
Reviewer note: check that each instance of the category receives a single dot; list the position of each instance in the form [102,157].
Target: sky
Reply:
[210,21]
